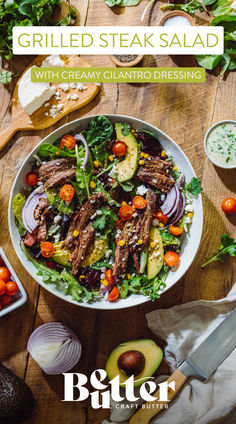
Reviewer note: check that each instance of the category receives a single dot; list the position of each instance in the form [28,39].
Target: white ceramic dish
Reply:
[21,296]
[189,246]
[228,121]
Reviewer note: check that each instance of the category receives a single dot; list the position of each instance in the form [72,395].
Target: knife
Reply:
[201,363]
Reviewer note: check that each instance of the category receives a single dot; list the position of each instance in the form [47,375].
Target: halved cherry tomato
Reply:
[109,277]
[114,294]
[32,179]
[119,149]
[5,299]
[126,212]
[11,288]
[47,249]
[171,258]
[67,192]
[2,287]
[161,217]
[5,274]
[228,205]
[68,141]
[176,231]
[139,202]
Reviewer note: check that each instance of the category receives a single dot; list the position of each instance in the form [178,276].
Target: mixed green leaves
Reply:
[123,3]
[194,187]
[99,131]
[83,174]
[59,204]
[49,150]
[105,222]
[142,285]
[227,246]
[125,128]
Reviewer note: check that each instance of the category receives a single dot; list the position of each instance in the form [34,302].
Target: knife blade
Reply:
[201,363]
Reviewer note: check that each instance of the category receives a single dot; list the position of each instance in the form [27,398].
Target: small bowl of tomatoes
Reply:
[12,293]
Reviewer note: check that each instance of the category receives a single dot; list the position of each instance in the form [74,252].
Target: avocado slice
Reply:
[97,251]
[129,353]
[126,169]
[156,254]
[16,399]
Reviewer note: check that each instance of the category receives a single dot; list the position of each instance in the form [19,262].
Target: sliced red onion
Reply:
[28,210]
[170,201]
[54,347]
[80,137]
[180,211]
[136,263]
[177,201]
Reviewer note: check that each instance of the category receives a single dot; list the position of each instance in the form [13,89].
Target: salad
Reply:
[104,211]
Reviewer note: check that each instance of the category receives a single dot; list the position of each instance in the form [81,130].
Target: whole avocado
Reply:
[16,398]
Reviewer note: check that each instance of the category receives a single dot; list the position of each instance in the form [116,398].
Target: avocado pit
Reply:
[131,362]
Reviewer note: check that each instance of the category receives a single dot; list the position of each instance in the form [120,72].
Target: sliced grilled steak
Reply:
[84,241]
[135,229]
[57,172]
[156,164]
[42,205]
[29,239]
[42,231]
[81,218]
[154,178]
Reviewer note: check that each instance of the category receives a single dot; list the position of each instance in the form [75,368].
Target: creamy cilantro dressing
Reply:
[177,21]
[221,144]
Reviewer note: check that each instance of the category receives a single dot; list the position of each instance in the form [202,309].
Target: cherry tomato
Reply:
[109,277]
[228,205]
[5,299]
[171,258]
[11,288]
[68,141]
[126,212]
[67,192]
[2,287]
[32,179]
[139,202]
[119,149]
[161,217]
[176,231]
[47,249]
[51,264]
[114,294]
[5,274]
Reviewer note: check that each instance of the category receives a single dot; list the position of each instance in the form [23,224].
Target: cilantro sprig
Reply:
[227,246]
[194,187]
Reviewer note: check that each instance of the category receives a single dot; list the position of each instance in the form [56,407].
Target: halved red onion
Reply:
[54,347]
[170,201]
[80,137]
[180,210]
[28,210]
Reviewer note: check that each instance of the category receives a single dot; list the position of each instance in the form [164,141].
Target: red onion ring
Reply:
[80,137]
[28,210]
[65,357]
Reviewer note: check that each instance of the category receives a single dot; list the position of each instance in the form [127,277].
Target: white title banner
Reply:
[99,40]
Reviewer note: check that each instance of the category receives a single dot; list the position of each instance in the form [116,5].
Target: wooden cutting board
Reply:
[20,120]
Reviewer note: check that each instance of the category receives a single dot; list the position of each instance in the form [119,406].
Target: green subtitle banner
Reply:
[127,75]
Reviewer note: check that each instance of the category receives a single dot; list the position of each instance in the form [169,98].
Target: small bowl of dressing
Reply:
[176,18]
[220,144]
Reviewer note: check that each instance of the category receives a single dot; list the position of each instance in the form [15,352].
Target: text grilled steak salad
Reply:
[104,211]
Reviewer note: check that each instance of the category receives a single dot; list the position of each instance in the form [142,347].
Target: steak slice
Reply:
[57,172]
[83,243]
[42,205]
[154,178]
[135,229]
[156,164]
[81,218]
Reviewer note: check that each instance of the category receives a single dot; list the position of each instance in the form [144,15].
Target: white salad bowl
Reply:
[190,243]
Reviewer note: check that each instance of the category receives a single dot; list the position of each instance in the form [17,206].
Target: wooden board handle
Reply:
[7,133]
[150,409]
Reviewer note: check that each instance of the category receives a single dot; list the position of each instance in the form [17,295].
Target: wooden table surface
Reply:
[184,112]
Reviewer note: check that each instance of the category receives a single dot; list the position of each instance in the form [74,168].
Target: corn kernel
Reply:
[128,276]
[140,241]
[81,277]
[163,153]
[57,152]
[121,243]
[135,135]
[92,184]
[141,162]
[132,131]
[96,163]
[123,204]
[190,215]
[104,282]
[110,157]
[152,244]
[161,225]
[145,156]
[133,207]
[75,233]
[142,154]
[175,168]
